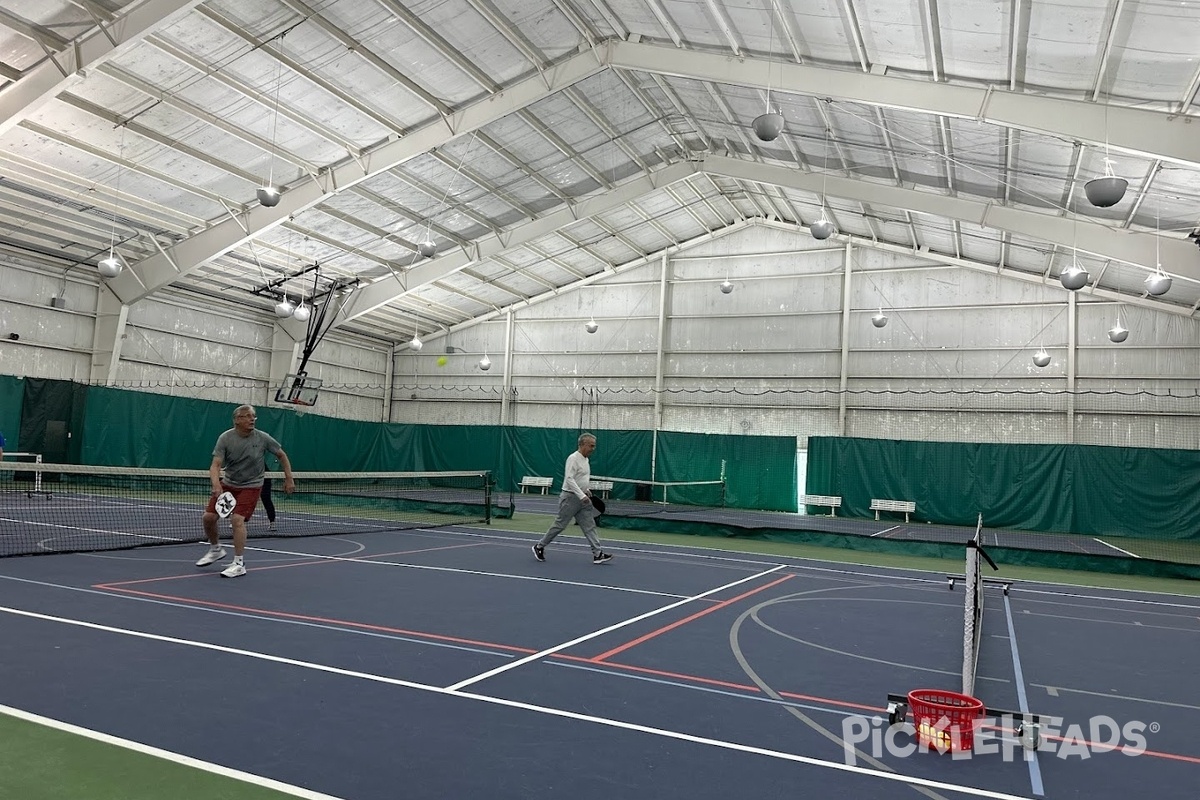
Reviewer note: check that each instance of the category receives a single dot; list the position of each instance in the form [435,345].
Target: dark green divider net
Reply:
[56,508]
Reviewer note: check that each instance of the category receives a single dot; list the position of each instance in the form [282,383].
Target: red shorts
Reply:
[246,497]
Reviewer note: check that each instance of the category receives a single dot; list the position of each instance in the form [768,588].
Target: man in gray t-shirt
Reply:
[241,451]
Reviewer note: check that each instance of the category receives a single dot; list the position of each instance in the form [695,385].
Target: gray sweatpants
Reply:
[571,507]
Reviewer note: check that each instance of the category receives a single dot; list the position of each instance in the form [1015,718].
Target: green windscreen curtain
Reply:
[1086,489]
[759,471]
[127,428]
[12,392]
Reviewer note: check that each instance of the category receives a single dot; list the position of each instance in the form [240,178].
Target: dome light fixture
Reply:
[768,126]
[111,266]
[416,344]
[1118,334]
[726,286]
[592,326]
[302,313]
[1107,190]
[879,320]
[284,308]
[1074,277]
[1041,358]
[485,363]
[427,249]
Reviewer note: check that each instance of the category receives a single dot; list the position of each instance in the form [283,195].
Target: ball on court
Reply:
[441,361]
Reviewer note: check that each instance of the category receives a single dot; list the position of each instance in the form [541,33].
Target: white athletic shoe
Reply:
[211,556]
[235,570]
[271,527]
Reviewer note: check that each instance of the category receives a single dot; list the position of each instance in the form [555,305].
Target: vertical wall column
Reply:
[389,377]
[1072,367]
[664,287]
[107,337]
[506,384]
[844,368]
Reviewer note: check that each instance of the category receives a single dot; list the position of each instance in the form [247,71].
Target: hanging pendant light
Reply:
[726,286]
[767,126]
[427,248]
[1041,358]
[879,320]
[269,194]
[485,363]
[284,308]
[1074,277]
[112,265]
[1116,333]
[1107,190]
[822,229]
[592,326]
[302,313]
[1158,282]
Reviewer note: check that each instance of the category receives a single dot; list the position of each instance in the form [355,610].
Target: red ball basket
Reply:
[945,720]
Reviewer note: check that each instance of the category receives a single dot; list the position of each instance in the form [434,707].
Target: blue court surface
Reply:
[451,664]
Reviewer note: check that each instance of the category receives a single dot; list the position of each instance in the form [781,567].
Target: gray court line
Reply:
[457,570]
[1054,689]
[1098,621]
[264,618]
[532,707]
[1035,770]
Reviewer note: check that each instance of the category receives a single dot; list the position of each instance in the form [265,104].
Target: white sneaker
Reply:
[211,556]
[271,527]
[235,570]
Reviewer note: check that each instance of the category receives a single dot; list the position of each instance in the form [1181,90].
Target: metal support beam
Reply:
[155,272]
[107,337]
[51,77]
[1099,239]
[1148,133]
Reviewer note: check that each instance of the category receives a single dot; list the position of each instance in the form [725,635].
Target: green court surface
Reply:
[41,762]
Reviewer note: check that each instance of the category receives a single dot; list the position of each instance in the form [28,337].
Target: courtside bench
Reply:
[831,501]
[905,507]
[534,482]
[602,488]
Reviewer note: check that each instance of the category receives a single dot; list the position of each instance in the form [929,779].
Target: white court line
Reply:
[1114,547]
[555,712]
[458,570]
[594,634]
[885,530]
[167,755]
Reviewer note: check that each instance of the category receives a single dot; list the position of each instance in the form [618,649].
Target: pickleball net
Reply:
[972,610]
[58,508]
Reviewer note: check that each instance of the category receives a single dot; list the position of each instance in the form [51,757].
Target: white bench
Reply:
[602,488]
[832,501]
[533,482]
[905,506]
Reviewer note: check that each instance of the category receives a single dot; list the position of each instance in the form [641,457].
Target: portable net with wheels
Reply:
[945,720]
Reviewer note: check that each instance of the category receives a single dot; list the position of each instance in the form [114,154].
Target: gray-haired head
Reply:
[586,437]
[240,410]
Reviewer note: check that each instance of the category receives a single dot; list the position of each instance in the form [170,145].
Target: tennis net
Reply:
[57,508]
[709,494]
[972,611]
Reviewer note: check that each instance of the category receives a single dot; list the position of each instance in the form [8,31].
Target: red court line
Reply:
[745,687]
[622,648]
[332,560]
[324,620]
[1100,747]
